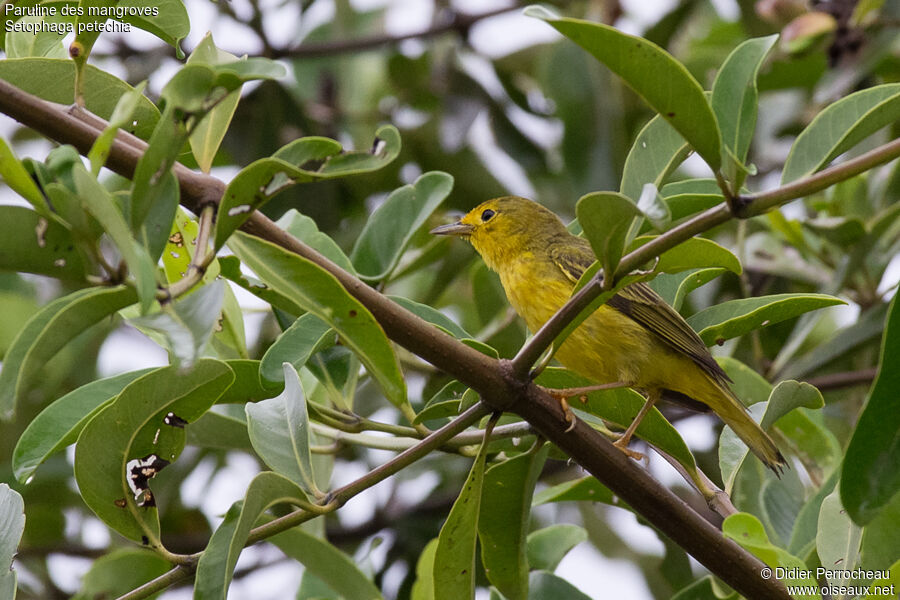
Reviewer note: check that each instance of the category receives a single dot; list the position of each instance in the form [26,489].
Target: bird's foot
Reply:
[622,444]
[561,396]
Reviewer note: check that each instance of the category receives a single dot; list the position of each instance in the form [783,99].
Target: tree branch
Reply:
[494,380]
[457,21]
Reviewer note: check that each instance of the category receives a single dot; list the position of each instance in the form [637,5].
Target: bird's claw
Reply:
[626,450]
[567,410]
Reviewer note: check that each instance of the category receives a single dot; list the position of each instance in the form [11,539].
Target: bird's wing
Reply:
[644,306]
[573,259]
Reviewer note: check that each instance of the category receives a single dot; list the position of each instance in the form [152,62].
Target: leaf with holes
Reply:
[137,426]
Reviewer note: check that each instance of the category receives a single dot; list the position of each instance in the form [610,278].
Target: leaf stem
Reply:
[199,263]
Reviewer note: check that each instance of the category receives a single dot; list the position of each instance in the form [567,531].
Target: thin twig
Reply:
[458,22]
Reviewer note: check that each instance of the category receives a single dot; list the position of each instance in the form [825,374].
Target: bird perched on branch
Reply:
[636,339]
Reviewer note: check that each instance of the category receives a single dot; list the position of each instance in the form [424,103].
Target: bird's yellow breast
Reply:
[608,346]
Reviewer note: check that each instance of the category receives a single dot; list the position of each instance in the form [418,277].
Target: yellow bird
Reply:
[635,339]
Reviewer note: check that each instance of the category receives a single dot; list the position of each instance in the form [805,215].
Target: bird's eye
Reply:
[487,215]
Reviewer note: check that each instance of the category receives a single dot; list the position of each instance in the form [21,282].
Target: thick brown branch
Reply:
[492,379]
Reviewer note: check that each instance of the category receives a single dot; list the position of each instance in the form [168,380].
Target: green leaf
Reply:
[279,432]
[885,588]
[803,536]
[122,115]
[326,562]
[246,387]
[880,546]
[690,254]
[216,565]
[306,336]
[543,585]
[748,532]
[620,406]
[152,177]
[169,22]
[674,287]
[119,572]
[445,403]
[811,440]
[42,41]
[210,131]
[548,546]
[784,398]
[59,424]
[39,245]
[838,539]
[689,196]
[870,475]
[504,518]
[99,202]
[734,94]
[733,451]
[230,267]
[219,431]
[423,587]
[320,293]
[586,489]
[12,525]
[606,218]
[186,325]
[737,317]
[454,558]
[663,82]
[305,229]
[17,178]
[702,589]
[656,152]
[48,331]
[263,179]
[433,316]
[839,127]
[53,80]
[787,396]
[748,385]
[132,427]
[391,227]
[780,502]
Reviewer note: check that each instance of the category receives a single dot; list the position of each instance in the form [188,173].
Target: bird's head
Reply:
[504,228]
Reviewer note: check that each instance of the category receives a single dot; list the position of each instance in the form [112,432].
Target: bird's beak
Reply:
[458,229]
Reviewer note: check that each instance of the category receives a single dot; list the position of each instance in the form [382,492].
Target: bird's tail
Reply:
[735,415]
